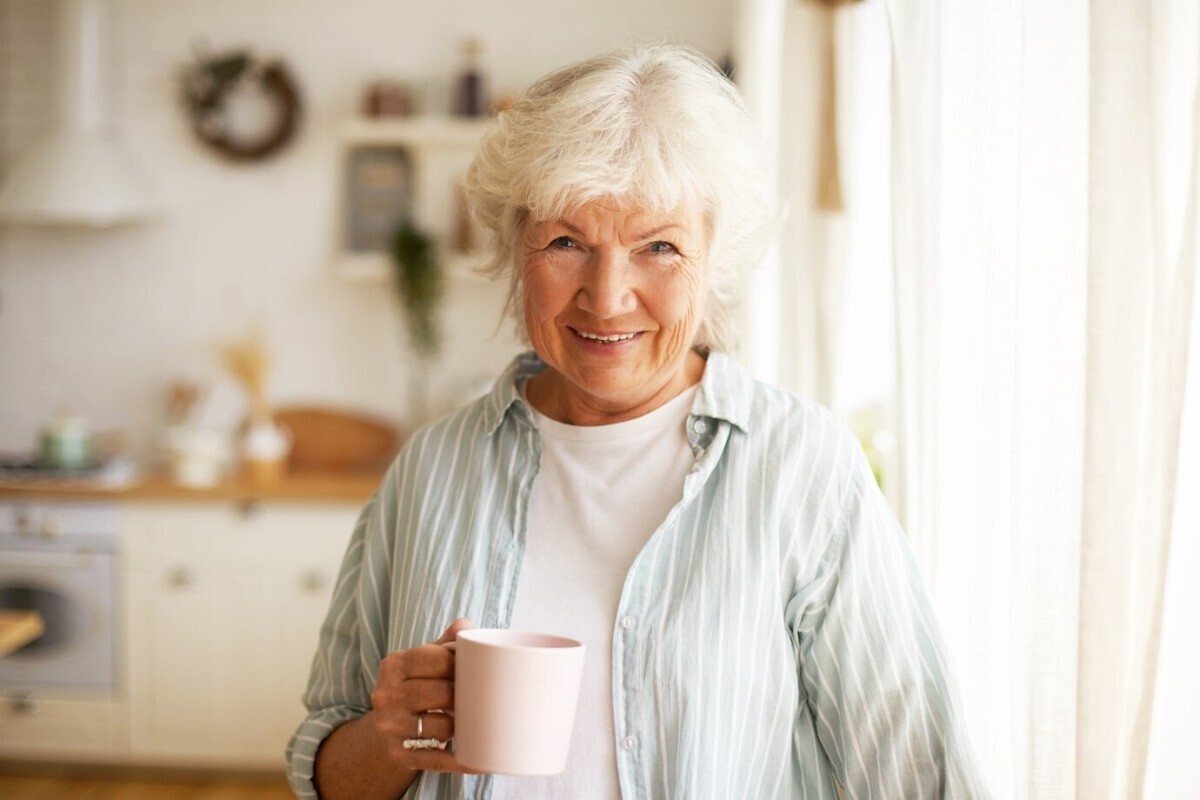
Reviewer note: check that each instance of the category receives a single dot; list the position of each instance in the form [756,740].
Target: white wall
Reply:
[101,321]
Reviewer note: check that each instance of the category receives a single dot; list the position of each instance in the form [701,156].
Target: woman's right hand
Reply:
[413,684]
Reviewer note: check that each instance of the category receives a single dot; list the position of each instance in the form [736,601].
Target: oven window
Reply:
[65,620]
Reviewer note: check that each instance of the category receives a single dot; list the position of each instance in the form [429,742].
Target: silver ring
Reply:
[421,741]
[422,744]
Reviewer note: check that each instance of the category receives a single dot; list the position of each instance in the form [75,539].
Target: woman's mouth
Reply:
[604,338]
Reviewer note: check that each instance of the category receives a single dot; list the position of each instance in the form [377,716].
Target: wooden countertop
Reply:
[316,487]
[19,628]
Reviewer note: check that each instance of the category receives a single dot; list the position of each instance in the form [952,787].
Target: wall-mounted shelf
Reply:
[374,267]
[404,168]
[424,132]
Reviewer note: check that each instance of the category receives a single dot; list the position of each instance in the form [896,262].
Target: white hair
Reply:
[655,127]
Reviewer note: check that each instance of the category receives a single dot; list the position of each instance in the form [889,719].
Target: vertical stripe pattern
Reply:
[782,645]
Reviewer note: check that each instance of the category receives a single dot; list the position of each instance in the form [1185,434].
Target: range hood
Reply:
[78,175]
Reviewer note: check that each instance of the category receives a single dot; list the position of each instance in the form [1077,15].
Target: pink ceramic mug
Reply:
[515,694]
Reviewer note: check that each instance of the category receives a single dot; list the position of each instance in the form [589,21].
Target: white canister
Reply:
[196,456]
[265,448]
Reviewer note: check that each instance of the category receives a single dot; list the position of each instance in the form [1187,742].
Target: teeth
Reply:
[616,337]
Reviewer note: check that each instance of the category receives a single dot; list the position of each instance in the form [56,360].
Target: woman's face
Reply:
[613,299]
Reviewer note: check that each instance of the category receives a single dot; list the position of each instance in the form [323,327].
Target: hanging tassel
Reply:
[829,172]
[829,195]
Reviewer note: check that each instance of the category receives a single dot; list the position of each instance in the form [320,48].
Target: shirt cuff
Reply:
[302,748]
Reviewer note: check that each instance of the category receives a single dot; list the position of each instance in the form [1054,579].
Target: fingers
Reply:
[434,725]
[396,727]
[414,695]
[426,661]
[436,761]
[395,730]
[460,624]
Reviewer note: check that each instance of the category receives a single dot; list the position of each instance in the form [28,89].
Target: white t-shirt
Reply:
[600,493]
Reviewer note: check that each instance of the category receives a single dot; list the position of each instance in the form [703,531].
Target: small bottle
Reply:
[470,101]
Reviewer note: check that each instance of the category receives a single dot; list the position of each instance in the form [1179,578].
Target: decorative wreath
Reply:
[206,86]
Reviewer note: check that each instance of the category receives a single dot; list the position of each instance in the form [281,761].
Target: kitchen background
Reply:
[101,322]
[104,322]
[149,652]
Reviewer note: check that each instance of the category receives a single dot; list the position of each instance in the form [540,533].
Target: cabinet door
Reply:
[224,613]
[197,662]
[74,729]
[306,588]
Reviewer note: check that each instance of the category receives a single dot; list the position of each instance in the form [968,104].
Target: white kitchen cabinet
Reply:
[63,728]
[404,167]
[223,612]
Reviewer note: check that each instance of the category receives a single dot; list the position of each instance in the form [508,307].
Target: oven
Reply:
[60,559]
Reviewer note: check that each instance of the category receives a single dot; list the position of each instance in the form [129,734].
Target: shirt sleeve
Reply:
[339,687]
[873,666]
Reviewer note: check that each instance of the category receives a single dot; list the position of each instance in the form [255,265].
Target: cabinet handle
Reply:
[313,582]
[26,704]
[180,578]
[249,509]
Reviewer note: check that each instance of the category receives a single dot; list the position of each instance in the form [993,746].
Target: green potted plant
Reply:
[419,282]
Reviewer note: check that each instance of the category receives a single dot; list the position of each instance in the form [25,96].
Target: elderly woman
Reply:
[754,621]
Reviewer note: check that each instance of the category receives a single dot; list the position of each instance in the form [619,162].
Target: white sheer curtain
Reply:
[1045,183]
[834,66]
[1171,767]
[1044,203]
[813,240]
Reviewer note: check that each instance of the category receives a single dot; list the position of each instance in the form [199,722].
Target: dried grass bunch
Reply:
[248,361]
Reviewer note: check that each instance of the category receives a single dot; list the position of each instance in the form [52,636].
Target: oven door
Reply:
[76,596]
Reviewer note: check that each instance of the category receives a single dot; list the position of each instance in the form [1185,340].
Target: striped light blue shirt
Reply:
[773,638]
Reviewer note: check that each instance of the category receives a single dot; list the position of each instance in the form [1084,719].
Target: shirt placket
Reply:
[632,717]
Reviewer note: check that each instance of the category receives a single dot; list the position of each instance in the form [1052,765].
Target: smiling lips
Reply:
[604,338]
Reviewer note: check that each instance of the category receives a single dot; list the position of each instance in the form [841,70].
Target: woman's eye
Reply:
[662,247]
[563,242]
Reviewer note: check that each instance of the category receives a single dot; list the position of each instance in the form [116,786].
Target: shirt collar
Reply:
[504,394]
[725,391]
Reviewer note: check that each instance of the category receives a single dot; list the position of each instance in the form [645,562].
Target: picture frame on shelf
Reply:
[379,196]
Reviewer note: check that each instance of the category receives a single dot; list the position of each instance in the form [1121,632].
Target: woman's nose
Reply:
[608,288]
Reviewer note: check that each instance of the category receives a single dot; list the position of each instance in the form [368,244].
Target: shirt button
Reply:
[628,623]
[629,743]
[699,425]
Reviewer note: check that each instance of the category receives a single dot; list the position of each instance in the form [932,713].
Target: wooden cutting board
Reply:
[335,440]
[19,628]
